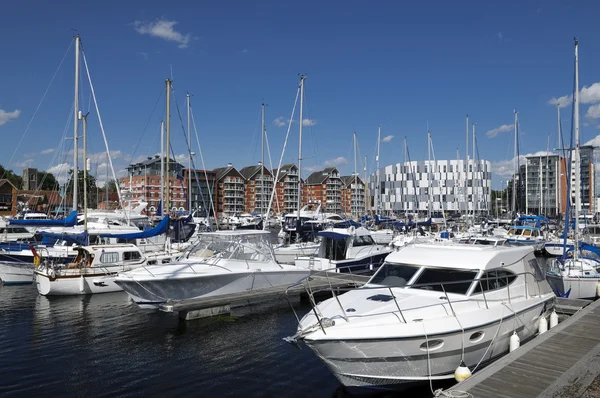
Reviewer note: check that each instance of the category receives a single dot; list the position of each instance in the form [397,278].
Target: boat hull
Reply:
[16,273]
[574,287]
[155,291]
[73,282]
[402,362]
[289,254]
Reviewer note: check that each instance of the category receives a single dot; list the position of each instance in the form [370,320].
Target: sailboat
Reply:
[94,261]
[307,220]
[575,276]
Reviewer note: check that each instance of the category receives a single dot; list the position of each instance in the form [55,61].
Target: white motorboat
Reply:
[383,236]
[223,262]
[287,254]
[577,278]
[346,250]
[428,308]
[93,270]
[15,273]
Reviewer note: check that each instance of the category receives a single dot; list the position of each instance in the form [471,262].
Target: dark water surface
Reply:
[104,345]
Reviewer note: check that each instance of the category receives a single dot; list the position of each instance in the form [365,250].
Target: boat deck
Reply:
[562,362]
[318,280]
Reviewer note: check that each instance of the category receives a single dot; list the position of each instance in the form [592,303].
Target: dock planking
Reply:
[562,362]
[318,281]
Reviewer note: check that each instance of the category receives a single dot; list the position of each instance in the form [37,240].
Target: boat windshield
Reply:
[394,274]
[453,280]
[516,232]
[247,247]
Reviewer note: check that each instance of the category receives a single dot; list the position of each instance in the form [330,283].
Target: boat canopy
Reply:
[51,237]
[332,235]
[160,229]
[70,221]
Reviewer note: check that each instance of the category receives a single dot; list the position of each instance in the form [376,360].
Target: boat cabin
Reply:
[468,270]
[343,243]
[107,255]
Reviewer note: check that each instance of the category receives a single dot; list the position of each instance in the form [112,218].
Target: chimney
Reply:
[260,163]
[229,165]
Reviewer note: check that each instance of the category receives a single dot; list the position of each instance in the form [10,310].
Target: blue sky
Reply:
[397,64]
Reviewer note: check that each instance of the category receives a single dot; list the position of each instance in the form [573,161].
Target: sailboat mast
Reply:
[474,197]
[367,203]
[162,168]
[354,198]
[467,167]
[189,136]
[547,181]
[300,149]
[377,189]
[429,173]
[76,124]
[577,160]
[514,192]
[559,182]
[168,146]
[84,118]
[457,182]
[262,162]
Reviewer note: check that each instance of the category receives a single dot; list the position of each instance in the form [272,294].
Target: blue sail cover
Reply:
[65,222]
[51,237]
[332,235]
[160,229]
[346,224]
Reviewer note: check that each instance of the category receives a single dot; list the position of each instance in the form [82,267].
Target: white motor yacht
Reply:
[223,262]
[346,250]
[428,308]
[93,270]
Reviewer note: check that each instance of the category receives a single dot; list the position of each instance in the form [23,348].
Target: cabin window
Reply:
[335,249]
[365,240]
[131,256]
[109,257]
[454,281]
[394,275]
[496,279]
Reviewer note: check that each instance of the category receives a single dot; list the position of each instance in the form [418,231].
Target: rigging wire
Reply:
[38,107]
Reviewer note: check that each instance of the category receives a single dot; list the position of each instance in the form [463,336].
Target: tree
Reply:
[91,187]
[15,179]
[46,181]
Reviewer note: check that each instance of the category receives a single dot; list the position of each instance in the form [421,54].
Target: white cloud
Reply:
[8,116]
[24,163]
[280,121]
[47,151]
[60,172]
[562,102]
[591,94]
[387,138]
[593,112]
[163,29]
[312,169]
[339,161]
[505,128]
[506,168]
[587,95]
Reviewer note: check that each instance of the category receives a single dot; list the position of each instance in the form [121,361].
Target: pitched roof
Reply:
[250,171]
[4,181]
[222,172]
[348,180]
[318,177]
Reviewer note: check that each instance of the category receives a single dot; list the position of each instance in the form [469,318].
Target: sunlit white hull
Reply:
[289,254]
[574,287]
[402,360]
[69,282]
[16,273]
[184,283]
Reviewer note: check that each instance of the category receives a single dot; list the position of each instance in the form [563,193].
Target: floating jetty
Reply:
[204,307]
[562,362]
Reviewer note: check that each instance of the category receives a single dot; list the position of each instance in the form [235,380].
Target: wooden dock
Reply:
[562,362]
[221,304]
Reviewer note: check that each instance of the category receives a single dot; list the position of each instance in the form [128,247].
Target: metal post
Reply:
[76,124]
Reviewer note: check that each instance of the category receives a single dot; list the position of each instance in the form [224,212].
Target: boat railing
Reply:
[323,322]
